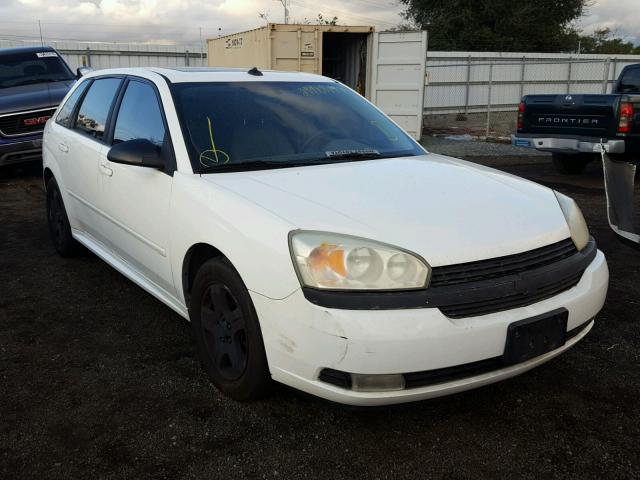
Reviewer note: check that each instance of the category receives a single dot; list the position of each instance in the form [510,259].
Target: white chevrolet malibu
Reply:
[310,240]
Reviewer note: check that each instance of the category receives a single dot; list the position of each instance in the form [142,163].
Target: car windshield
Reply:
[26,68]
[243,125]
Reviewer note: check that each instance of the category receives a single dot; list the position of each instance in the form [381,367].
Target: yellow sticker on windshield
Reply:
[213,156]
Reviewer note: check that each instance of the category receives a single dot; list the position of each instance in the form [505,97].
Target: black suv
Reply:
[33,81]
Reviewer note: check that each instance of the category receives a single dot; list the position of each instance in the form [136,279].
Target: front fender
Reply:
[253,239]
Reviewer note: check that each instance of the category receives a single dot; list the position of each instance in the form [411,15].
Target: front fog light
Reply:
[376,383]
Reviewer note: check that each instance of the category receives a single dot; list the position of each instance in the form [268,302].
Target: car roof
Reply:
[8,51]
[214,74]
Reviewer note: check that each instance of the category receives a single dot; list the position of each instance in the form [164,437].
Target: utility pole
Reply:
[201,50]
[285,5]
[40,28]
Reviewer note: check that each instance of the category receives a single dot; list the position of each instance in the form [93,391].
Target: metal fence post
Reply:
[186,58]
[613,71]
[524,59]
[569,75]
[468,86]
[88,57]
[605,79]
[489,99]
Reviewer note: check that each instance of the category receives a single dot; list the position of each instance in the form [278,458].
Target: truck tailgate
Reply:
[588,115]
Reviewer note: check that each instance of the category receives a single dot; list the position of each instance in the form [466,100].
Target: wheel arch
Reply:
[195,257]
[47,175]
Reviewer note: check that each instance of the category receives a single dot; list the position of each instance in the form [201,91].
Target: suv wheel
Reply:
[571,164]
[227,332]
[58,222]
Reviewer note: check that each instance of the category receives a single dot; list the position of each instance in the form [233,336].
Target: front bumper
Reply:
[20,149]
[566,145]
[301,339]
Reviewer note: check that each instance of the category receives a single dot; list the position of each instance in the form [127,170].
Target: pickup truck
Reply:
[33,81]
[573,126]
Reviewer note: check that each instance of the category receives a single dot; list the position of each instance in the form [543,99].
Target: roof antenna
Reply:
[255,72]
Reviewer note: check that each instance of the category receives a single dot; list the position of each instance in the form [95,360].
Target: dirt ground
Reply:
[98,380]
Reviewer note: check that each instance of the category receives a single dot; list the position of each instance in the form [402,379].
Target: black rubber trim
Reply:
[335,377]
[440,375]
[529,281]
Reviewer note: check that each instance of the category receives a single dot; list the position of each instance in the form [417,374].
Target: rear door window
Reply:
[66,111]
[94,111]
[630,81]
[140,116]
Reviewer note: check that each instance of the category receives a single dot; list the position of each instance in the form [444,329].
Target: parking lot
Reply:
[98,379]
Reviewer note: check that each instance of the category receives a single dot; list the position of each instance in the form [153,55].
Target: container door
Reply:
[296,50]
[397,77]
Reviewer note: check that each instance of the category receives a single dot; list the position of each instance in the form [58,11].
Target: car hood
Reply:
[447,210]
[33,97]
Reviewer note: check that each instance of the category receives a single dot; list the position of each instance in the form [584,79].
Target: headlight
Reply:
[342,262]
[575,220]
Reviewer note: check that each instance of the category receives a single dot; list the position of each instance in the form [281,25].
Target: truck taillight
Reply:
[521,116]
[626,117]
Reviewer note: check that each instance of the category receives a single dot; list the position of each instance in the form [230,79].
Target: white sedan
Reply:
[310,240]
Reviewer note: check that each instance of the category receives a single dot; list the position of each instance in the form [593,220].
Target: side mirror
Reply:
[139,152]
[81,71]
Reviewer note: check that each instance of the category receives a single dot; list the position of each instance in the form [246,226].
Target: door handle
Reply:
[63,147]
[105,170]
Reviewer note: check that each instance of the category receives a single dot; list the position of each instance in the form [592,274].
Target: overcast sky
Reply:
[179,21]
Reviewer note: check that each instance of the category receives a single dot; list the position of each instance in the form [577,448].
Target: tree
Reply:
[327,21]
[497,25]
[605,41]
[320,20]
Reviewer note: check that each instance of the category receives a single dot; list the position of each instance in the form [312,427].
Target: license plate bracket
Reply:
[535,336]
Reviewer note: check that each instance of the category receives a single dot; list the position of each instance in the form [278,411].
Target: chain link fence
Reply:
[477,94]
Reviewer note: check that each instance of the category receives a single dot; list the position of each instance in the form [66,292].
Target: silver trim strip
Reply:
[24,113]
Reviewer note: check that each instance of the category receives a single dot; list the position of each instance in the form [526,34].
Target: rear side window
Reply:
[93,113]
[66,111]
[140,115]
[630,81]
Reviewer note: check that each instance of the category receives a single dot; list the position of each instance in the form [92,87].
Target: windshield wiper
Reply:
[32,82]
[343,156]
[243,166]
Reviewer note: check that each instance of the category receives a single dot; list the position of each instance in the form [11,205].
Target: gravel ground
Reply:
[461,148]
[99,380]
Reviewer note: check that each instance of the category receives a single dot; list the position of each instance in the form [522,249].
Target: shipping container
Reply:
[386,67]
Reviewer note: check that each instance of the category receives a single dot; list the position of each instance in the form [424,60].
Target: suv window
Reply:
[630,81]
[93,113]
[25,68]
[66,111]
[139,115]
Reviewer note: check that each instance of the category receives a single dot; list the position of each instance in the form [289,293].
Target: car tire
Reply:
[227,332]
[571,164]
[58,222]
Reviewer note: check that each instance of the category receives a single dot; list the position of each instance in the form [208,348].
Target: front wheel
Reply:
[227,332]
[568,164]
